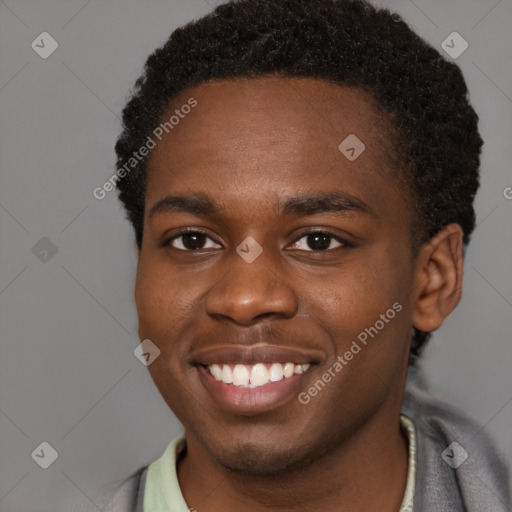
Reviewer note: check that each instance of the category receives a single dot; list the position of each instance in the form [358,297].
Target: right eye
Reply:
[190,240]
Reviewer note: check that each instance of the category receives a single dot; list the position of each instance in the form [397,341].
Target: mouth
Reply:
[256,379]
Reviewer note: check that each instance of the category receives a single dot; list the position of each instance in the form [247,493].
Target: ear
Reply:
[438,279]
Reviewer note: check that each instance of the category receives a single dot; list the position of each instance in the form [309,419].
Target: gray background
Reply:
[68,375]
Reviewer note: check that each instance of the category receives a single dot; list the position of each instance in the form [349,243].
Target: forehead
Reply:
[286,130]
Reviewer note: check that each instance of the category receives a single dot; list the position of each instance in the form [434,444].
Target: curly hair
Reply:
[351,43]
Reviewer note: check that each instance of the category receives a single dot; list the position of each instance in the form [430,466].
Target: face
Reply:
[265,245]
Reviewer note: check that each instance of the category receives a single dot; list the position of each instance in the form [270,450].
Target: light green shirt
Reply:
[163,494]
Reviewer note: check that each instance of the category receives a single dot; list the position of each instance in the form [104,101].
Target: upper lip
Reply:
[261,353]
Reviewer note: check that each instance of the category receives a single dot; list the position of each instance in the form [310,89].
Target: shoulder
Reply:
[456,457]
[122,495]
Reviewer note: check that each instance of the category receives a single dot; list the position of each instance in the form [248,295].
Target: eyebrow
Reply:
[297,205]
[323,203]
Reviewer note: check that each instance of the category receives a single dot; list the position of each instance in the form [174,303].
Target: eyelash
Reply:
[189,231]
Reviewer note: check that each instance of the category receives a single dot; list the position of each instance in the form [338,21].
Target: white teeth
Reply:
[288,369]
[216,371]
[259,375]
[301,368]
[240,375]
[227,375]
[251,376]
[276,372]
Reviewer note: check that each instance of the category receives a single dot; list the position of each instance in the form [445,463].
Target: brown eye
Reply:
[318,241]
[191,241]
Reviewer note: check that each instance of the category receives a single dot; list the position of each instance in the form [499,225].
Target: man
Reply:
[298,239]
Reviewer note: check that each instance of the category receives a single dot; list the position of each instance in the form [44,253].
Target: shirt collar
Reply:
[410,431]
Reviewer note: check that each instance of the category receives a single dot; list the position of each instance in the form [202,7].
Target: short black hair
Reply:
[347,42]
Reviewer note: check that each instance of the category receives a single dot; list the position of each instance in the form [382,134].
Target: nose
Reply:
[250,292]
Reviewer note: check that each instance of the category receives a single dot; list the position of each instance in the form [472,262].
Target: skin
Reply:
[250,144]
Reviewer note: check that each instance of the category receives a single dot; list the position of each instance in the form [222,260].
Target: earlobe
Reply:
[438,283]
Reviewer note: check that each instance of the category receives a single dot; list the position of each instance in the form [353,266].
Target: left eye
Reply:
[319,241]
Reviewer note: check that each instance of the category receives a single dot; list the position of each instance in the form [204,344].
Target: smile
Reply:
[254,379]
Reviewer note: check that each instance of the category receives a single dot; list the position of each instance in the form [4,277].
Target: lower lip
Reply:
[252,400]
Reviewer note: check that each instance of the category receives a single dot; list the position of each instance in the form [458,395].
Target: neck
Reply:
[366,472]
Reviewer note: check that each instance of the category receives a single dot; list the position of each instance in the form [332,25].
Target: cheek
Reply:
[351,297]
[165,305]
[363,308]
[166,301]
[363,311]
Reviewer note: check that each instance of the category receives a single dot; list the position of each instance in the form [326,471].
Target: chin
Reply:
[254,460]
